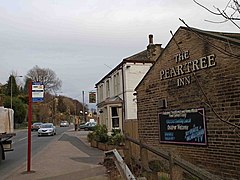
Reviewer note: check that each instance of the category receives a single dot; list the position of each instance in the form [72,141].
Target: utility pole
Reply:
[84,120]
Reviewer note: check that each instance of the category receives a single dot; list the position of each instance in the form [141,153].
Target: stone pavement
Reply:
[70,157]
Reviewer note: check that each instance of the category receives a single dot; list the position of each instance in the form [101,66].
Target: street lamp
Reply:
[84,114]
[11,86]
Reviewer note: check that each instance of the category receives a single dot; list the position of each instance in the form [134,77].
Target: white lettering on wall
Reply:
[187,67]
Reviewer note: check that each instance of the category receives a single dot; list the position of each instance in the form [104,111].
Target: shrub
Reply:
[91,136]
[101,133]
[116,138]
[115,131]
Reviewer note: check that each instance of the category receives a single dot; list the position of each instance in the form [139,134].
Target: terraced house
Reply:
[115,100]
[188,103]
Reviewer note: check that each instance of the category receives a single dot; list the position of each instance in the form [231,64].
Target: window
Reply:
[107,89]
[116,84]
[101,93]
[115,117]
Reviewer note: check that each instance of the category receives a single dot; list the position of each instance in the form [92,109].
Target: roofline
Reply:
[214,34]
[195,30]
[119,66]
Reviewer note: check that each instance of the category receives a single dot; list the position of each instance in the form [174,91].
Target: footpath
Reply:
[69,157]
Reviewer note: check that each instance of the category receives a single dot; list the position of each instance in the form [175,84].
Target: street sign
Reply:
[37,92]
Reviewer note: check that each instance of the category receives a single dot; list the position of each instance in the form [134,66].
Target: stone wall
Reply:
[215,88]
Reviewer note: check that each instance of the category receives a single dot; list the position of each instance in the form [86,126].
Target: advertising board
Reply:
[183,127]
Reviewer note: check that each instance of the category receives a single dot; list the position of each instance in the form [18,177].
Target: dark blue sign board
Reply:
[37,92]
[183,127]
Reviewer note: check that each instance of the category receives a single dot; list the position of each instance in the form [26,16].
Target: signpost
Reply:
[35,94]
[183,127]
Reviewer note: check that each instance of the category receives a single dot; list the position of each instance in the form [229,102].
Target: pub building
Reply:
[188,103]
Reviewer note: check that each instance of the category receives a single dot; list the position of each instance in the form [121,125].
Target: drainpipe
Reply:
[123,105]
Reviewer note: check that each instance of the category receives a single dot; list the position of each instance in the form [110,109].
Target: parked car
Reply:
[64,124]
[47,129]
[88,126]
[35,126]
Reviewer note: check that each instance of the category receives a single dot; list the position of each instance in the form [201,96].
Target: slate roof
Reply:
[230,37]
[140,57]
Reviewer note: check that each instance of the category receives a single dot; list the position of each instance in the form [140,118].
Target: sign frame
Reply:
[37,92]
[187,127]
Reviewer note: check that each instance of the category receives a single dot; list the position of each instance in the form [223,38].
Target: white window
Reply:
[107,89]
[101,93]
[116,84]
[115,117]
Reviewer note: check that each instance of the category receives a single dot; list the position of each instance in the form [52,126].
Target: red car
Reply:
[35,126]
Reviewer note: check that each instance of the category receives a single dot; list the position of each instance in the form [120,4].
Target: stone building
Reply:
[189,101]
[115,99]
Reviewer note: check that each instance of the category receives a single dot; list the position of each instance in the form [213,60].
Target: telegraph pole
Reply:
[83,107]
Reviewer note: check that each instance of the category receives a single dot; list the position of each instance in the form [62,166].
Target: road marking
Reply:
[22,139]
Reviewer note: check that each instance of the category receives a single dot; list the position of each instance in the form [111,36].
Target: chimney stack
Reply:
[153,50]
[150,39]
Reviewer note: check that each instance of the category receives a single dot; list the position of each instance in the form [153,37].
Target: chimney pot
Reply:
[150,39]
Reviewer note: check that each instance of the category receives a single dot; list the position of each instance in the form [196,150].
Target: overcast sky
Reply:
[81,39]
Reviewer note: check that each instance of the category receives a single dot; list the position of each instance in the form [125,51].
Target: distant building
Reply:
[115,91]
[189,101]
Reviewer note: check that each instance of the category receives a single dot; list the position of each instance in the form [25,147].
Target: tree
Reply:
[20,109]
[61,106]
[230,13]
[25,88]
[12,86]
[45,75]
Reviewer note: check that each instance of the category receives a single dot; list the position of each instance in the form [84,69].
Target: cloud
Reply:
[78,39]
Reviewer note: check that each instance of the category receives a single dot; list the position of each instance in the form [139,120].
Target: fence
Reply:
[174,162]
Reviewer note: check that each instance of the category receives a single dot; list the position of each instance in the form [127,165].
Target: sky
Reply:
[82,40]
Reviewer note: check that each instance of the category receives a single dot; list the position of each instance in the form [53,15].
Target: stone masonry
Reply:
[197,69]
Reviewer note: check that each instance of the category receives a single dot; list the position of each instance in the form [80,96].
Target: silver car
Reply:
[47,129]
[64,124]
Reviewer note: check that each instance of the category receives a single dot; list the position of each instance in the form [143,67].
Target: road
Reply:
[17,157]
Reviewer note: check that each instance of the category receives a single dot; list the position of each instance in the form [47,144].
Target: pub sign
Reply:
[183,127]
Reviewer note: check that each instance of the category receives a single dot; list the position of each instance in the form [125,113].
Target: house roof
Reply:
[140,57]
[230,37]
[233,38]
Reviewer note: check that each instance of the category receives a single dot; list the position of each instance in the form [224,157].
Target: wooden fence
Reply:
[175,163]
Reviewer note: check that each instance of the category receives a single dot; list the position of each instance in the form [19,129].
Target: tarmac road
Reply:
[69,157]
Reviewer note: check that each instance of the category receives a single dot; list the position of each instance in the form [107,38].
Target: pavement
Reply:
[70,157]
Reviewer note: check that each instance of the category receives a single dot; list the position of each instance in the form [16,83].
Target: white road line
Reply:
[21,139]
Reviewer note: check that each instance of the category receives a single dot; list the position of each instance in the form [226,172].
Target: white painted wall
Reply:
[133,75]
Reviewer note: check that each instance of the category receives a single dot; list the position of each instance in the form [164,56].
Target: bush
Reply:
[91,136]
[101,133]
[116,138]
[116,131]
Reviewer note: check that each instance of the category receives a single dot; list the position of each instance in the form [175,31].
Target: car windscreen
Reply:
[46,126]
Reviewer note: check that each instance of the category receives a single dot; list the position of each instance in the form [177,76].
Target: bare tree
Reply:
[230,13]
[51,82]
